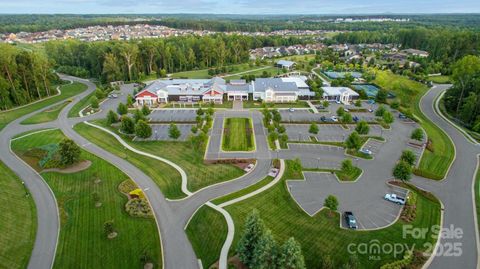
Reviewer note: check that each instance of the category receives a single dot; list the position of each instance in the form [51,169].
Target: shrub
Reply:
[388,117]
[69,152]
[145,110]
[417,134]
[138,115]
[122,109]
[173,131]
[347,118]
[112,117]
[380,111]
[358,103]
[402,171]
[353,141]
[313,128]
[340,111]
[94,102]
[347,166]
[142,129]
[362,128]
[194,129]
[409,157]
[138,208]
[331,202]
[127,125]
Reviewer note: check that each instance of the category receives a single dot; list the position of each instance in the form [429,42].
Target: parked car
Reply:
[338,102]
[355,119]
[366,151]
[392,197]
[249,167]
[291,109]
[350,219]
[370,110]
[346,110]
[402,116]
[112,95]
[320,107]
[322,118]
[334,118]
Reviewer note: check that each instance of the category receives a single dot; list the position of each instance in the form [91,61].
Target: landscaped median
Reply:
[95,229]
[321,236]
[238,135]
[18,221]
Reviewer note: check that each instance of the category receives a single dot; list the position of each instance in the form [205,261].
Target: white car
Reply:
[291,109]
[366,151]
[338,102]
[334,118]
[392,197]
[346,110]
[249,168]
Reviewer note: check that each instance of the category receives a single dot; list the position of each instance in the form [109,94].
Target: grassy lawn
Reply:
[273,71]
[207,242]
[68,90]
[18,221]
[73,113]
[50,114]
[435,162]
[203,73]
[168,179]
[238,135]
[321,235]
[82,242]
[439,79]
[244,191]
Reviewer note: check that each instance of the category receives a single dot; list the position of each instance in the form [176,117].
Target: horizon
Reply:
[238,7]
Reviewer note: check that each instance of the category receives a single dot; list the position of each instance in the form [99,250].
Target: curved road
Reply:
[172,216]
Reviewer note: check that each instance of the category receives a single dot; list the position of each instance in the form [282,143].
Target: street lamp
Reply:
[318,164]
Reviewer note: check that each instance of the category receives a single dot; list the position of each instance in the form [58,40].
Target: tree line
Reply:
[25,76]
[132,60]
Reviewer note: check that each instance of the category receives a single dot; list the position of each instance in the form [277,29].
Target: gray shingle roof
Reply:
[276,84]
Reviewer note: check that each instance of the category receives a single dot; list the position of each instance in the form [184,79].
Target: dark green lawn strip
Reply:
[207,242]
[82,242]
[67,91]
[18,221]
[244,191]
[237,135]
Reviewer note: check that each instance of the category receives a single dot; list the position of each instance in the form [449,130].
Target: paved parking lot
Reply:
[373,145]
[370,208]
[173,115]
[307,116]
[160,132]
[327,132]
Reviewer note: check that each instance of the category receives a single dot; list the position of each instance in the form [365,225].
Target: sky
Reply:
[240,6]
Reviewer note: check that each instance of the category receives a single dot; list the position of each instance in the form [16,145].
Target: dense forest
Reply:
[246,23]
[118,60]
[463,99]
[25,76]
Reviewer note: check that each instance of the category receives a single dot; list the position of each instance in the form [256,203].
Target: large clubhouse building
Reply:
[277,90]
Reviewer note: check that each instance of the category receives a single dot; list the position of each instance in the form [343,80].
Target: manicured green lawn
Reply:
[203,73]
[168,179]
[321,235]
[207,242]
[434,164]
[238,135]
[18,221]
[68,90]
[80,105]
[244,191]
[50,114]
[439,79]
[273,71]
[82,242]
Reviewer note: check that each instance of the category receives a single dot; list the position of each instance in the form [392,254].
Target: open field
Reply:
[82,242]
[273,71]
[434,164]
[68,90]
[168,179]
[321,235]
[46,116]
[238,135]
[18,221]
[203,73]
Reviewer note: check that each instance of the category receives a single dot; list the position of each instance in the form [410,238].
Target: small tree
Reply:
[353,141]
[362,128]
[380,111]
[281,129]
[331,202]
[127,125]
[108,227]
[194,129]
[142,129]
[130,100]
[347,166]
[276,116]
[358,103]
[347,118]
[409,157]
[69,152]
[122,109]
[265,254]
[200,112]
[417,134]
[291,255]
[381,96]
[283,138]
[145,110]
[313,128]
[94,102]
[273,136]
[340,111]
[252,233]
[173,131]
[99,93]
[325,104]
[210,111]
[388,117]
[402,171]
[138,115]
[112,117]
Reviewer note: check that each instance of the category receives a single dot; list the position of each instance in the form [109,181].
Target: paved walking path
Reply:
[312,107]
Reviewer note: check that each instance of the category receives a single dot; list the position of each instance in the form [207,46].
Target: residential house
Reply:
[289,65]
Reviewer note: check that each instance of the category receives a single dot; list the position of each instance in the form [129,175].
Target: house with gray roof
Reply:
[275,90]
[289,65]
